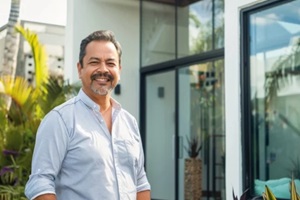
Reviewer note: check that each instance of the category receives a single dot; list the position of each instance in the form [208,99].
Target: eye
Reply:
[93,63]
[111,64]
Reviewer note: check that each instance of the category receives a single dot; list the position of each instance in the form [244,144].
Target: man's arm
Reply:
[46,197]
[143,195]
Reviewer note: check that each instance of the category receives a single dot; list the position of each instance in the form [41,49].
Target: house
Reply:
[191,78]
[224,71]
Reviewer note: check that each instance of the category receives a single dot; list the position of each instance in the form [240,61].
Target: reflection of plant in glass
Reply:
[209,31]
[207,108]
[283,73]
[286,67]
[295,171]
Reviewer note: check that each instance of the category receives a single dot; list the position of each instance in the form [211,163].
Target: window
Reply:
[200,27]
[177,29]
[271,95]
[158,32]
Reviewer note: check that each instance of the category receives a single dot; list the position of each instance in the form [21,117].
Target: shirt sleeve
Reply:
[142,180]
[49,152]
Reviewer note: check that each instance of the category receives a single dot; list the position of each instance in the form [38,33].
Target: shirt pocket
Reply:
[128,156]
[128,152]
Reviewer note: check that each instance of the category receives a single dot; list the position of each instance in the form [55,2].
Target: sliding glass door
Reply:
[201,118]
[160,134]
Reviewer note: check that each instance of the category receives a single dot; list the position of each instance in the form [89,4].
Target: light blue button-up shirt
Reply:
[76,157]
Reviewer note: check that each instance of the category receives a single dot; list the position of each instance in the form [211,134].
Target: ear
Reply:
[79,68]
[120,69]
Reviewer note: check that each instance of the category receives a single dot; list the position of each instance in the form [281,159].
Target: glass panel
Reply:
[158,32]
[160,134]
[202,117]
[275,65]
[195,28]
[219,24]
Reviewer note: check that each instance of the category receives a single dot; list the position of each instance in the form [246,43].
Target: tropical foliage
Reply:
[268,194]
[19,123]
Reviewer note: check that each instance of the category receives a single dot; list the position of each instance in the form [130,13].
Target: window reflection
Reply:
[219,24]
[158,32]
[275,66]
[197,28]
[201,27]
[202,115]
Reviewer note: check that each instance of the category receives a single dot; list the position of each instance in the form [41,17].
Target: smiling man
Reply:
[89,148]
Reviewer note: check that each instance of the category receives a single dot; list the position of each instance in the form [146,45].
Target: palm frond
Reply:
[18,89]
[39,56]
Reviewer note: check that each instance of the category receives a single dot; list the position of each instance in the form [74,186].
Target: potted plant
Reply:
[193,170]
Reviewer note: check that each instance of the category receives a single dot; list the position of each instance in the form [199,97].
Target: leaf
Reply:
[39,56]
[234,196]
[268,195]
[294,194]
[18,89]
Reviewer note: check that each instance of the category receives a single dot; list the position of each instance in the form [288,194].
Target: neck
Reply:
[102,101]
[104,104]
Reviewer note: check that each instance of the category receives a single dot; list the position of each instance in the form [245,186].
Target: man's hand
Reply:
[143,195]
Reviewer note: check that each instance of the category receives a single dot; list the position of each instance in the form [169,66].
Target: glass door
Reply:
[201,134]
[160,135]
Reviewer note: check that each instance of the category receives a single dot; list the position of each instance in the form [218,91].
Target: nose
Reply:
[102,67]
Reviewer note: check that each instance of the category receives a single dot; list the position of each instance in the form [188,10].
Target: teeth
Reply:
[102,79]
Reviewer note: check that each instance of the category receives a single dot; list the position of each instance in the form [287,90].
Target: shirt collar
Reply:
[91,104]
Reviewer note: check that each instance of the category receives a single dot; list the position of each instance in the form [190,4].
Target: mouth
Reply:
[102,77]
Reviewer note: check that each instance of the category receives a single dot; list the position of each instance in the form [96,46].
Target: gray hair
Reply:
[100,35]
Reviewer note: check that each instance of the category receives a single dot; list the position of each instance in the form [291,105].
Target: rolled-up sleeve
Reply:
[142,180]
[49,152]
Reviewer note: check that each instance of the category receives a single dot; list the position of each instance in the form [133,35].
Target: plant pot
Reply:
[192,179]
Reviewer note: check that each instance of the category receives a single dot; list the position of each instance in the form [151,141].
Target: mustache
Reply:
[102,75]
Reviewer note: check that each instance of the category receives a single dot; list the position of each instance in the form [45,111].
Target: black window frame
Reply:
[246,120]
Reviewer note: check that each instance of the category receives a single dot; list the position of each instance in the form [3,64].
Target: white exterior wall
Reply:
[233,95]
[120,16]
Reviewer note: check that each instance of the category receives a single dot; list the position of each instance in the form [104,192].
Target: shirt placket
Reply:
[101,121]
[116,155]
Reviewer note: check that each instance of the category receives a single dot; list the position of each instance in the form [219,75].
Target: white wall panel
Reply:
[86,16]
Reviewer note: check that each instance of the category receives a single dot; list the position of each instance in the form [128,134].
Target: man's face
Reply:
[100,72]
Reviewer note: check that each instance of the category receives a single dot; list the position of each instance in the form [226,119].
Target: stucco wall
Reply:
[232,95]
[122,17]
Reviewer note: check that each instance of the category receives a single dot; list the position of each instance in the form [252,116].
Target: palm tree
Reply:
[11,44]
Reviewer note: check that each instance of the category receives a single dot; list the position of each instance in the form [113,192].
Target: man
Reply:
[89,148]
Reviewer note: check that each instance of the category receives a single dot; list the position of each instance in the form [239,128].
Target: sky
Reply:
[45,11]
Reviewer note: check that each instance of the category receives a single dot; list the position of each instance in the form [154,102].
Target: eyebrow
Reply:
[98,59]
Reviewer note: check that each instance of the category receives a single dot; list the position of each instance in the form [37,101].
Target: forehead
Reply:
[101,48]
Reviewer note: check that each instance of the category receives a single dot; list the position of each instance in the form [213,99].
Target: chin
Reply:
[102,91]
